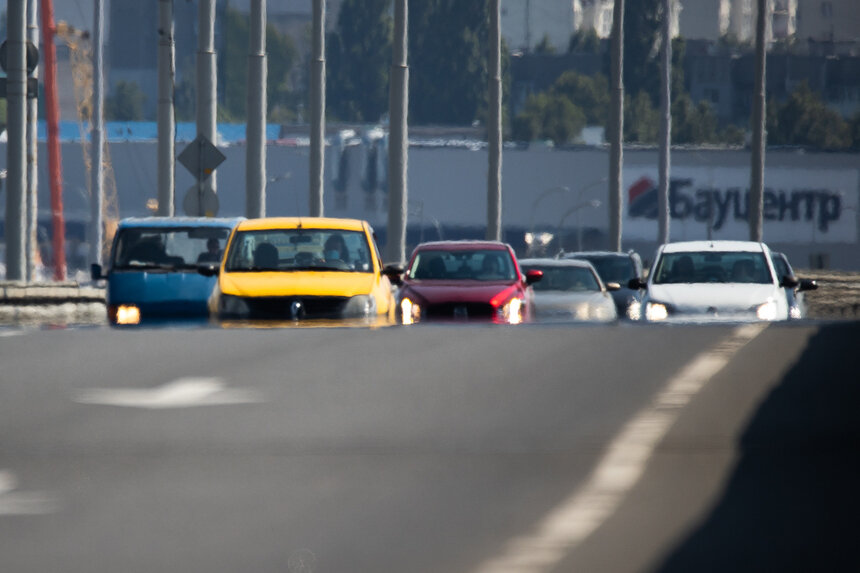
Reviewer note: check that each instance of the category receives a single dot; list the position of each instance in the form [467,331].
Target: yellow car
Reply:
[301,267]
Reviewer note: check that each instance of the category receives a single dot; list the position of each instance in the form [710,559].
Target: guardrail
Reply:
[51,303]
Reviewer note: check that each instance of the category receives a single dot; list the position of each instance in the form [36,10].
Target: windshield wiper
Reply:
[319,268]
[135,265]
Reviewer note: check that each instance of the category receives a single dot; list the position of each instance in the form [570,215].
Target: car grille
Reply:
[279,307]
[460,310]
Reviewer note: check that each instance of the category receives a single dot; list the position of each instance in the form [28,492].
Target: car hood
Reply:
[437,292]
[296,283]
[720,296]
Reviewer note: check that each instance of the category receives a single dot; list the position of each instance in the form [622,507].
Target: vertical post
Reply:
[317,163]
[16,175]
[166,126]
[665,124]
[97,191]
[207,84]
[494,127]
[52,115]
[756,196]
[616,126]
[255,170]
[398,137]
[31,239]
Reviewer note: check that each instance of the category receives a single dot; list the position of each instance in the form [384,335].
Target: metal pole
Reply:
[255,170]
[52,115]
[97,194]
[16,129]
[31,239]
[494,128]
[398,137]
[756,195]
[665,125]
[317,163]
[207,85]
[166,126]
[616,130]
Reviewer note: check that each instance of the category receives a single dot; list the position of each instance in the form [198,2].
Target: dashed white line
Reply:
[22,503]
[569,523]
[181,393]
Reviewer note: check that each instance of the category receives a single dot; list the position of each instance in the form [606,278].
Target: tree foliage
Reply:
[549,116]
[804,120]
[359,58]
[125,103]
[642,20]
[590,93]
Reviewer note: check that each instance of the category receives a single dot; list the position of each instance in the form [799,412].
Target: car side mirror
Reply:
[394,274]
[209,269]
[636,284]
[613,286]
[808,284]
[789,281]
[533,276]
[96,272]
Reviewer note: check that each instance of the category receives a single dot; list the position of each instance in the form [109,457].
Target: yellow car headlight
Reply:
[127,314]
[410,311]
[655,311]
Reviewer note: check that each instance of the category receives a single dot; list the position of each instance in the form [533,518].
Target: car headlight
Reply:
[581,311]
[634,310]
[512,311]
[655,311]
[360,306]
[124,314]
[410,311]
[230,305]
[766,311]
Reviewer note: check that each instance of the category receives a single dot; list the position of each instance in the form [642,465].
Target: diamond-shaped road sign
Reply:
[201,158]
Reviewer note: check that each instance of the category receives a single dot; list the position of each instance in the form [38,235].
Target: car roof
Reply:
[595,254]
[174,222]
[718,246]
[581,263]
[462,245]
[301,223]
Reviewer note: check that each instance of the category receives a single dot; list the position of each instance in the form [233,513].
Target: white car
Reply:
[707,281]
[570,290]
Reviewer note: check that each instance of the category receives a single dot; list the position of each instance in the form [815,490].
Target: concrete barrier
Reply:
[66,303]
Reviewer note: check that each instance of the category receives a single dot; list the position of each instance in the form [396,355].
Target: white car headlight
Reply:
[655,312]
[127,314]
[634,310]
[512,311]
[360,305]
[766,311]
[410,311]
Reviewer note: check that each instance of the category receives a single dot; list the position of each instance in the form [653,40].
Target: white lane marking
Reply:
[22,503]
[10,333]
[624,462]
[181,393]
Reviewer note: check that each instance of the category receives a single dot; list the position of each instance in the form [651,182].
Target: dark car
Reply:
[618,268]
[460,280]
[793,286]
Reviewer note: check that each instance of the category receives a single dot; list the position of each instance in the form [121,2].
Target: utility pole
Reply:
[207,85]
[166,122]
[756,195]
[494,127]
[398,136]
[255,163]
[317,163]
[31,239]
[16,129]
[616,126]
[97,191]
[52,115]
[665,124]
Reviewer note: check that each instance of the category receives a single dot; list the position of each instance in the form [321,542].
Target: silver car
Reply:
[570,290]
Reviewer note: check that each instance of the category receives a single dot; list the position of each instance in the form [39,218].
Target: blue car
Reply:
[153,269]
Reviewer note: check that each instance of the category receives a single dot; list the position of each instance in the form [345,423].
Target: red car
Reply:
[458,280]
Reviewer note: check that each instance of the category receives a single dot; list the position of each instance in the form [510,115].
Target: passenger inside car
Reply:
[212,254]
[266,256]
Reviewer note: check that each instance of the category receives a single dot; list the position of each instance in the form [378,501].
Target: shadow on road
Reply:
[792,503]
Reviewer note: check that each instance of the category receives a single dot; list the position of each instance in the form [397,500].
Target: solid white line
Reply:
[624,462]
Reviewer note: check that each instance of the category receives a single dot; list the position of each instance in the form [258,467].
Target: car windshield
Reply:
[477,265]
[712,267]
[299,249]
[612,269]
[569,279]
[781,267]
[168,248]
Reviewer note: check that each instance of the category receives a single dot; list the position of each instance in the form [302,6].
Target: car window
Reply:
[613,269]
[712,267]
[781,267]
[169,247]
[479,264]
[299,249]
[568,279]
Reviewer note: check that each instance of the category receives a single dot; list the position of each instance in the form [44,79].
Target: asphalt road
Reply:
[432,449]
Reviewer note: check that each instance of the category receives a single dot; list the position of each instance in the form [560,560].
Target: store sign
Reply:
[800,205]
